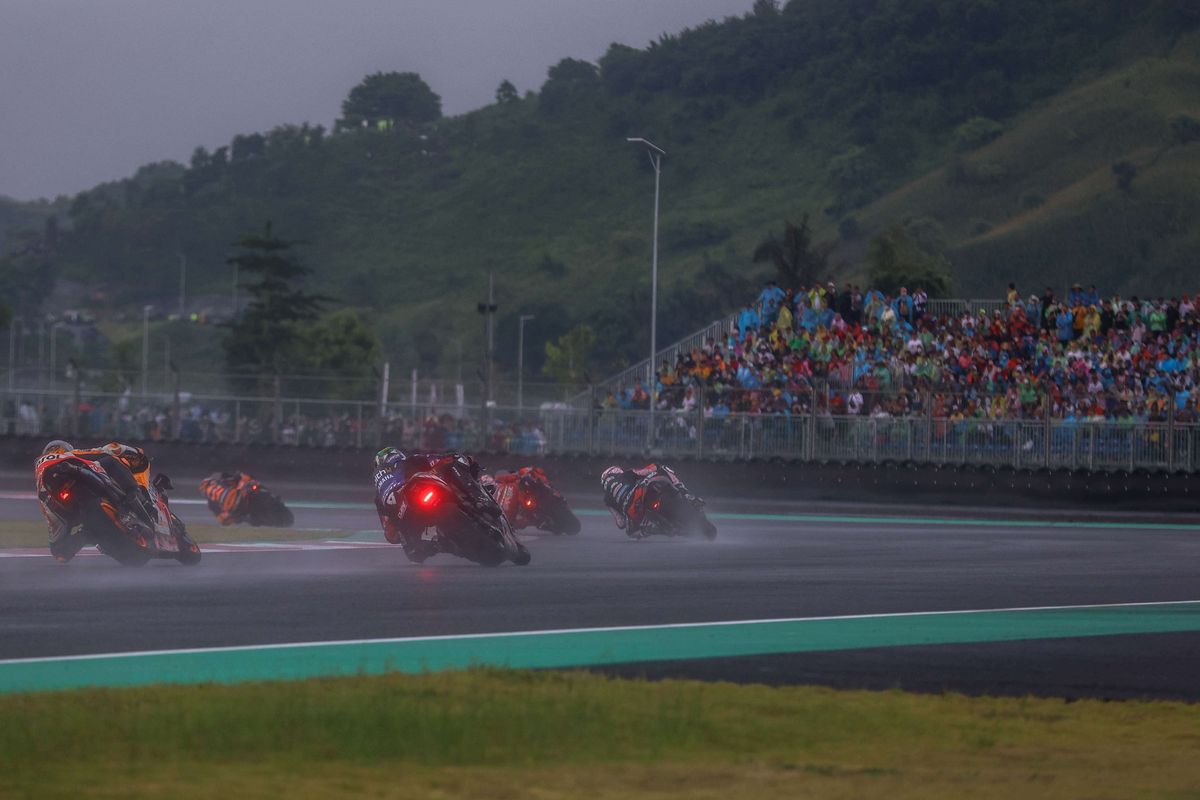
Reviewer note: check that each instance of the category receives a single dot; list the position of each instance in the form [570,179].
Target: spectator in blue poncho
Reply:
[748,320]
[768,301]
[1064,324]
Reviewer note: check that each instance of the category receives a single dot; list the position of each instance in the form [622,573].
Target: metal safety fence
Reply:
[557,429]
[1019,444]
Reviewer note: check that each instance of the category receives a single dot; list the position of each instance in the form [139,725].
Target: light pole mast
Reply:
[487,310]
[145,346]
[521,362]
[656,154]
[182,286]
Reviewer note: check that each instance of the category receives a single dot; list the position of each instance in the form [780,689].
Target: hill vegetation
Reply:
[1048,141]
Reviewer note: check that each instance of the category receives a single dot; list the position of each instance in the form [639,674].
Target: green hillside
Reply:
[1000,120]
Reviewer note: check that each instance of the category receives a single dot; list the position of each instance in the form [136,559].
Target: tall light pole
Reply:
[54,352]
[145,346]
[487,310]
[12,350]
[656,154]
[521,361]
[182,286]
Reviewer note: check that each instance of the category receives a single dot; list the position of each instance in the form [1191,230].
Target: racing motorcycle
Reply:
[671,511]
[259,507]
[530,501]
[449,507]
[126,529]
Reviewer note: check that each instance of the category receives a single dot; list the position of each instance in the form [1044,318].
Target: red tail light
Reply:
[529,502]
[254,487]
[426,495]
[64,495]
[654,505]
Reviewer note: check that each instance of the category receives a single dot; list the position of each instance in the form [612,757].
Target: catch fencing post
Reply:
[1171,435]
[811,444]
[1133,446]
[700,422]
[237,421]
[1049,432]
[928,428]
[358,432]
[591,420]
[178,426]
[77,374]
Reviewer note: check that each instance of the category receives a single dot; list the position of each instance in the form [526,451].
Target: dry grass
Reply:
[548,735]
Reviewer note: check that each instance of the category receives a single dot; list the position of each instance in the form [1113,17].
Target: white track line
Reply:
[615,629]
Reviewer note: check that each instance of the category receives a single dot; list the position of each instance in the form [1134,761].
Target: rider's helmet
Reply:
[57,446]
[388,458]
[612,473]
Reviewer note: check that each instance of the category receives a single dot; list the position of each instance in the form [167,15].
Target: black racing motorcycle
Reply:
[266,509]
[671,511]
[129,529]
[448,507]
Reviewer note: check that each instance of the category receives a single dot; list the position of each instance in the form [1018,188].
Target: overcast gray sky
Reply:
[92,89]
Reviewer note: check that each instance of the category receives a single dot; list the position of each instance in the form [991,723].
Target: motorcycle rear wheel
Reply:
[128,548]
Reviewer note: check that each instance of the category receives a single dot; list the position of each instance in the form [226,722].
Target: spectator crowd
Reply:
[851,351]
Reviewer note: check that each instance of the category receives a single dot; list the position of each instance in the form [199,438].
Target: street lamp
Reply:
[656,154]
[12,350]
[54,352]
[521,361]
[145,345]
[182,286]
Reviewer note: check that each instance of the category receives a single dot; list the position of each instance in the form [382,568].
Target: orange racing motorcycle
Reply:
[128,528]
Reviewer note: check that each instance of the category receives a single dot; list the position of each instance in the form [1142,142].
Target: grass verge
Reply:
[497,734]
[23,533]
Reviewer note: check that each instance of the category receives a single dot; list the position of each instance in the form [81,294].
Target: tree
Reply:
[400,98]
[567,82]
[798,261]
[267,337]
[506,93]
[567,359]
[343,345]
[897,258]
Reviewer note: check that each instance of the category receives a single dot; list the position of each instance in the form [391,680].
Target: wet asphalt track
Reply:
[757,569]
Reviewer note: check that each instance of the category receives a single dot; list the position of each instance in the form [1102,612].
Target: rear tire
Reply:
[473,540]
[561,520]
[130,549]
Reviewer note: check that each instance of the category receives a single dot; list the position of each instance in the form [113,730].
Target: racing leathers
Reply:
[127,466]
[228,492]
[393,468]
[625,494]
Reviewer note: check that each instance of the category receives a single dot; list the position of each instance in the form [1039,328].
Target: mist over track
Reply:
[785,564]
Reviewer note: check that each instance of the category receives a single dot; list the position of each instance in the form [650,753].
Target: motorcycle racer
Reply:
[228,491]
[127,466]
[393,468]
[625,493]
